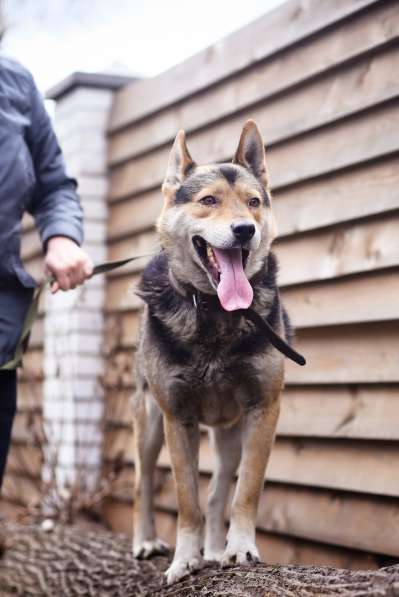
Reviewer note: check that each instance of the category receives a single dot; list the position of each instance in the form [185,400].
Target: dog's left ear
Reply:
[251,152]
[179,166]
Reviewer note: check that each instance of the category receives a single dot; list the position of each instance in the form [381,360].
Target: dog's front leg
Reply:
[148,439]
[183,443]
[259,426]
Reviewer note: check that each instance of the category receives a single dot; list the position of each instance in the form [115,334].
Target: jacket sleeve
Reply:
[55,204]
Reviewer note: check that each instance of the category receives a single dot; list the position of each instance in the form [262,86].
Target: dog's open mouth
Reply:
[226,270]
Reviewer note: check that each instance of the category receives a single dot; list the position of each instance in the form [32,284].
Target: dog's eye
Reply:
[208,200]
[254,202]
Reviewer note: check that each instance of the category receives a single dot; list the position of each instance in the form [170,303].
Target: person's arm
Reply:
[55,204]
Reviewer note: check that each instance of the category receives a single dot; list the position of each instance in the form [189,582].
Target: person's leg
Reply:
[8,405]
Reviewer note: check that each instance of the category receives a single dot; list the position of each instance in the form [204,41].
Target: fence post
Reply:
[74,321]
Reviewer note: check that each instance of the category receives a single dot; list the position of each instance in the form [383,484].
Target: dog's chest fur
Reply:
[208,361]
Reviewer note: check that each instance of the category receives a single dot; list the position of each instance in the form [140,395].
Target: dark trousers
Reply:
[8,406]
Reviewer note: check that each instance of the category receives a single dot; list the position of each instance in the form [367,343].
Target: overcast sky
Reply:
[56,37]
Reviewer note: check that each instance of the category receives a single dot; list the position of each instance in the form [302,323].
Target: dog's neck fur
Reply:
[184,311]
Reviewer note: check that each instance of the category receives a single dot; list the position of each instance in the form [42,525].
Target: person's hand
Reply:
[67,263]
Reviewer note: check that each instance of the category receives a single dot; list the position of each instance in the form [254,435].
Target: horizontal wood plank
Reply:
[119,443]
[347,519]
[121,293]
[127,323]
[279,29]
[32,370]
[342,465]
[357,412]
[129,217]
[29,395]
[146,243]
[337,94]
[120,369]
[364,353]
[343,144]
[27,427]
[346,249]
[344,300]
[365,190]
[21,489]
[24,461]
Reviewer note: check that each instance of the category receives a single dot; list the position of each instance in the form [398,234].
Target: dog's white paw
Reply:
[146,549]
[183,567]
[240,552]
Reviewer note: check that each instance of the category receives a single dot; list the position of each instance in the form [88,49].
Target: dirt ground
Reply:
[73,561]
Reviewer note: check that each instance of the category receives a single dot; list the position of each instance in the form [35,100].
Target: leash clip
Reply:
[195,301]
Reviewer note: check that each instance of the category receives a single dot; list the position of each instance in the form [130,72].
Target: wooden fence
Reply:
[321,80]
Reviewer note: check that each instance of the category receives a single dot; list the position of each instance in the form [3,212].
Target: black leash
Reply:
[274,338]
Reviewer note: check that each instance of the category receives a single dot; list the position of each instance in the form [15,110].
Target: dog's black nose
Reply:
[243,232]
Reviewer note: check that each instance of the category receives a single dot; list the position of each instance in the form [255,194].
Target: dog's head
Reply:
[217,223]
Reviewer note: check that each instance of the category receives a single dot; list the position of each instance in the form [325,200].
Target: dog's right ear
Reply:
[251,152]
[179,166]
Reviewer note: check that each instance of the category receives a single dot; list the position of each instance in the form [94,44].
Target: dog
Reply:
[200,360]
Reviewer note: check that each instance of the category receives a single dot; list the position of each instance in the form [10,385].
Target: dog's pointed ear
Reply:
[179,166]
[251,152]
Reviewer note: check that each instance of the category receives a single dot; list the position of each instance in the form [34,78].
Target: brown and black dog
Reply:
[200,360]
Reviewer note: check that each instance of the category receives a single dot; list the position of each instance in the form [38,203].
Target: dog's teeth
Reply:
[211,258]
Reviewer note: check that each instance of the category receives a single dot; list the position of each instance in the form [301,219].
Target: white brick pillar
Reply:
[73,328]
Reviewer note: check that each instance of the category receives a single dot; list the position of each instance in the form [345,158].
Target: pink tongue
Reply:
[234,290]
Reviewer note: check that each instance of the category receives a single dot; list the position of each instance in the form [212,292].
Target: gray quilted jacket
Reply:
[33,179]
